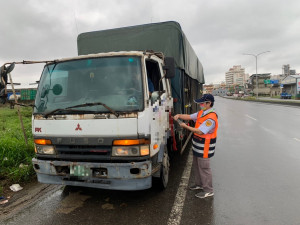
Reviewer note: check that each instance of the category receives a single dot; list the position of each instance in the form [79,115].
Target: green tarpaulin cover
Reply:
[166,37]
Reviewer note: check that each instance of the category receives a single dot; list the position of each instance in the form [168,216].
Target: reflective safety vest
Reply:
[204,144]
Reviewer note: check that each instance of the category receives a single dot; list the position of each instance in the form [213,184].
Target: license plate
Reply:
[80,171]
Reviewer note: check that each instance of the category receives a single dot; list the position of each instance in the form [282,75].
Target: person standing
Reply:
[204,142]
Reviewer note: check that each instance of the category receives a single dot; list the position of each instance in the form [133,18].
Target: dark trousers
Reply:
[202,172]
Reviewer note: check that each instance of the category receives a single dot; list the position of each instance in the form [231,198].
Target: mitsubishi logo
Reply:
[78,127]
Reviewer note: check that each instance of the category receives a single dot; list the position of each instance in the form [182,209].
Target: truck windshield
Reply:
[113,81]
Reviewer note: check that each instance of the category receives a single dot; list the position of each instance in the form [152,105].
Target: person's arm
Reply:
[192,129]
[205,127]
[182,117]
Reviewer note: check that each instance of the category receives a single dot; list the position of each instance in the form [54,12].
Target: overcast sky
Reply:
[220,31]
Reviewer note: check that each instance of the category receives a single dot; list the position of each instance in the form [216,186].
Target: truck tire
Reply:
[161,182]
[171,151]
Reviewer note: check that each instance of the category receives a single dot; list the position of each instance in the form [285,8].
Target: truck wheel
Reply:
[162,180]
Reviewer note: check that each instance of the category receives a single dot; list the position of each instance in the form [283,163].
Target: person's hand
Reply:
[183,125]
[176,117]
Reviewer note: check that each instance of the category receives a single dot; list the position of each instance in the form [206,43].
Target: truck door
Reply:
[160,103]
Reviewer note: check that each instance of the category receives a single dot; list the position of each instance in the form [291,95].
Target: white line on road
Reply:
[175,215]
[250,117]
[297,139]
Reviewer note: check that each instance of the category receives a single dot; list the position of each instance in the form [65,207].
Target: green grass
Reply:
[278,96]
[250,98]
[13,149]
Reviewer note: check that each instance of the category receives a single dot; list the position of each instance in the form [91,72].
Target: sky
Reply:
[220,31]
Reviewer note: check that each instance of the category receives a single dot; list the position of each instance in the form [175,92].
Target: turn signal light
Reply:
[131,142]
[155,146]
[42,142]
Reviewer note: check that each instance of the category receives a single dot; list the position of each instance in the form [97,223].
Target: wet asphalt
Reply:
[255,175]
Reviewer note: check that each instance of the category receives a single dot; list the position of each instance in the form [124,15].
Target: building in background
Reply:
[264,88]
[286,71]
[220,89]
[23,92]
[237,82]
[219,92]
[275,81]
[236,76]
[208,88]
[290,85]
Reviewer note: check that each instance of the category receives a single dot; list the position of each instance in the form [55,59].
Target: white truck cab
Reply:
[97,124]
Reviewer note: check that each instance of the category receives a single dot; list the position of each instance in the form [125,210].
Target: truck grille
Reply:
[83,152]
[83,149]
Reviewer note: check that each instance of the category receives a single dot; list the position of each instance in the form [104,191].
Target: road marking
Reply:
[297,139]
[176,212]
[250,117]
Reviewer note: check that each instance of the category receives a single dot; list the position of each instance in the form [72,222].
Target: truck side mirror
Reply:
[169,67]
[10,68]
[3,81]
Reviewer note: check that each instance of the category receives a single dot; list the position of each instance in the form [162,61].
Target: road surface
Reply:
[255,175]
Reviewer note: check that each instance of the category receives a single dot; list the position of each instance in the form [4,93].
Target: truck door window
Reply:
[153,73]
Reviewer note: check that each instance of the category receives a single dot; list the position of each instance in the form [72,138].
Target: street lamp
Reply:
[256,68]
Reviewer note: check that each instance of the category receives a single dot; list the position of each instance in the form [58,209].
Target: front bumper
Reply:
[114,176]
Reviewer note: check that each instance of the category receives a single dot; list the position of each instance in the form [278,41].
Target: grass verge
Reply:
[15,155]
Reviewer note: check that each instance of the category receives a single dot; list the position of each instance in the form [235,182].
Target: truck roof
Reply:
[99,55]
[166,37]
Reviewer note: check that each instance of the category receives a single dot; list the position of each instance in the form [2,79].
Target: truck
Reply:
[96,123]
[285,95]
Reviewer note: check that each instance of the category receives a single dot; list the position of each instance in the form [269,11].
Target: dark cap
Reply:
[205,98]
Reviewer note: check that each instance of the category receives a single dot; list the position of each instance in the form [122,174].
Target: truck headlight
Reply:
[45,149]
[135,150]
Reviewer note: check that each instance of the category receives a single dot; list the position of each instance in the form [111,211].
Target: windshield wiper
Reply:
[83,105]
[93,104]
[58,110]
